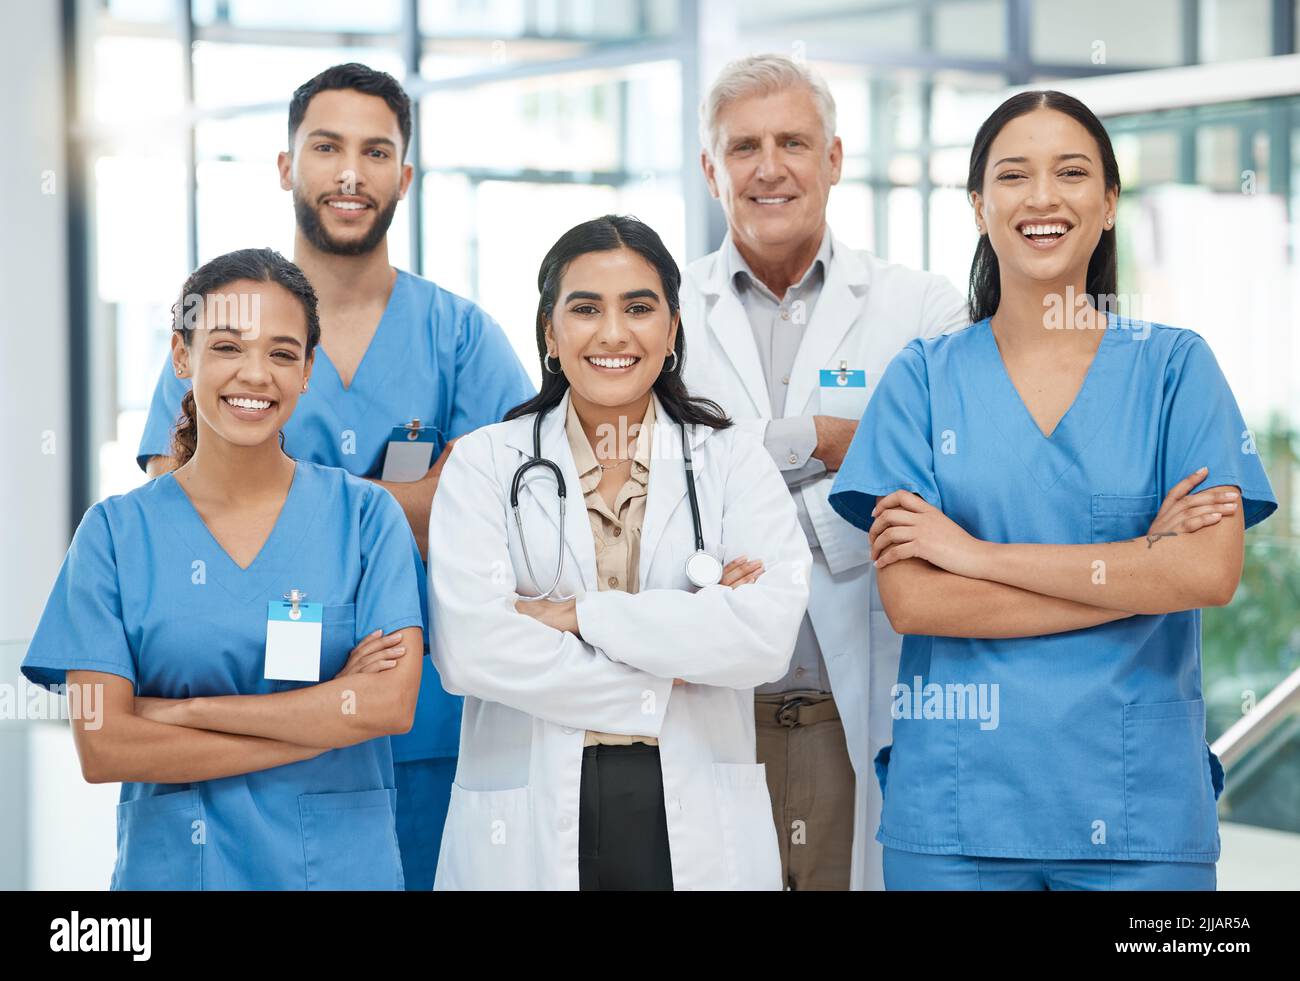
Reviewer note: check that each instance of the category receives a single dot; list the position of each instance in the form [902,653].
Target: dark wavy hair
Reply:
[985,290]
[258,265]
[363,79]
[605,234]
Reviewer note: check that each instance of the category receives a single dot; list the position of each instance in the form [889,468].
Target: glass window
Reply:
[140,256]
[240,205]
[905,227]
[1218,157]
[603,21]
[902,98]
[974,28]
[345,16]
[1147,158]
[462,37]
[479,243]
[763,12]
[450,247]
[136,79]
[258,74]
[1106,32]
[950,167]
[850,215]
[597,121]
[455,56]
[953,235]
[848,88]
[143,11]
[1231,30]
[895,28]
[959,103]
[510,247]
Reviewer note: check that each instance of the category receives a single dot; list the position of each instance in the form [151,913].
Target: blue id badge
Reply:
[411,450]
[843,392]
[293,632]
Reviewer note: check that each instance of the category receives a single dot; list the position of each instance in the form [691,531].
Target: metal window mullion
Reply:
[1019,31]
[1284,15]
[412,45]
[77,182]
[185,28]
[924,186]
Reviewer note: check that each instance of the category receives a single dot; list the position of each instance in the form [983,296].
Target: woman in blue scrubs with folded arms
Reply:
[1027,485]
[170,612]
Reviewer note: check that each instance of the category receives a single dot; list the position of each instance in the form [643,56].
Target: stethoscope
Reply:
[702,568]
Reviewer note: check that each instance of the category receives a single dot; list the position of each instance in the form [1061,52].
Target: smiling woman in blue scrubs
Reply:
[233,778]
[394,347]
[1027,487]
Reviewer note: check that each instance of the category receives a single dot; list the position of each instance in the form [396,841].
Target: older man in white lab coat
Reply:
[789,330]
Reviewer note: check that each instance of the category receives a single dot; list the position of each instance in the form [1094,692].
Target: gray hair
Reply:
[762,75]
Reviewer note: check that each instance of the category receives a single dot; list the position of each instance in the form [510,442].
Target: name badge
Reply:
[293,632]
[843,392]
[411,450]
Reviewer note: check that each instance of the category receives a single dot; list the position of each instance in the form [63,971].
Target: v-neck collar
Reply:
[291,527]
[395,297]
[1048,458]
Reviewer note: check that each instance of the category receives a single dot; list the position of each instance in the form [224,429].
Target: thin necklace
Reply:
[610,466]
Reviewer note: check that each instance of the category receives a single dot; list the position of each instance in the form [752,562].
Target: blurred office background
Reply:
[142,139]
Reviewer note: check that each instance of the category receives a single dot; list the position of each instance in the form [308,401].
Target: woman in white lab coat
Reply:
[608,731]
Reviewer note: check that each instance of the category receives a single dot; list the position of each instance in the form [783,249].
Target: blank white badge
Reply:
[410,454]
[293,641]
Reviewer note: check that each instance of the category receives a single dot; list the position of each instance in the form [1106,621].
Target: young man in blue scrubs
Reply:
[394,348]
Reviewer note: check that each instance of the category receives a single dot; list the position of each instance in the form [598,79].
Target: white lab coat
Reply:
[531,691]
[866,313]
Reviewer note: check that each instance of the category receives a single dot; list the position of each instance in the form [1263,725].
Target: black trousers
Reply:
[622,827]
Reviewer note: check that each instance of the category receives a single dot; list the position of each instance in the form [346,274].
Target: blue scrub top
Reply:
[148,594]
[435,356]
[1099,749]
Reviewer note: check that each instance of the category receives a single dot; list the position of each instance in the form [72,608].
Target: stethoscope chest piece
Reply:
[703,569]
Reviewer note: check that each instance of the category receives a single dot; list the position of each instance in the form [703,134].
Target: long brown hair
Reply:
[259,265]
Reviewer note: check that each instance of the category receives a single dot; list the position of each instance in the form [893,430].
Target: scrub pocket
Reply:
[1170,782]
[337,638]
[752,856]
[349,840]
[1119,517]
[159,842]
[487,842]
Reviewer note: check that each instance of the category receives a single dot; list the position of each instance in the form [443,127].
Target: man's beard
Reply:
[310,224]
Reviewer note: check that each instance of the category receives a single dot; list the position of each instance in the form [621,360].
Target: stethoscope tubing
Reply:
[561,489]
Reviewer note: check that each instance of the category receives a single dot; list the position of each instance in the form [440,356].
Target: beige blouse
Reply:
[615,531]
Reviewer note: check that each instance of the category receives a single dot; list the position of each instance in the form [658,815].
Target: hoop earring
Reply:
[674,367]
[546,363]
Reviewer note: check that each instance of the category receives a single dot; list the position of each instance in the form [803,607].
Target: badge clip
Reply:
[295,598]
